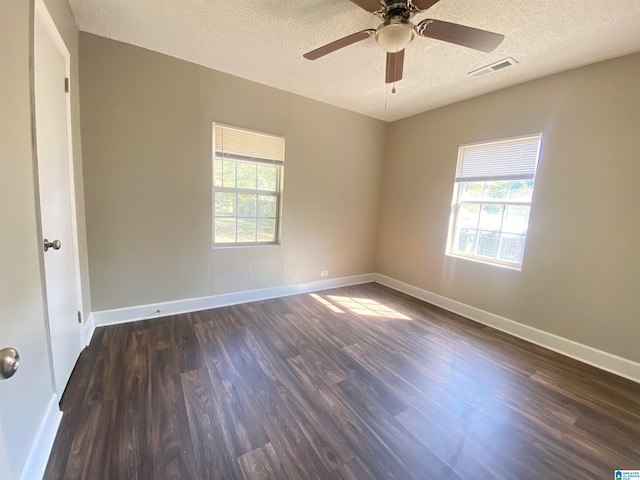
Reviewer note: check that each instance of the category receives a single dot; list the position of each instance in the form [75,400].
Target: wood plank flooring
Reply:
[353,383]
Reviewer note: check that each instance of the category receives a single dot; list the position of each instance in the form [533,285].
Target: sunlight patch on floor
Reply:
[326,303]
[360,306]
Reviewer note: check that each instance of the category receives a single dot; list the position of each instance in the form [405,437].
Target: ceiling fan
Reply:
[397,31]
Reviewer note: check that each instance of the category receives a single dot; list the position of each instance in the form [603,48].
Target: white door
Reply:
[56,198]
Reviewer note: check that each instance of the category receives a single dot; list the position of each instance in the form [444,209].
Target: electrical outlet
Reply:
[324,273]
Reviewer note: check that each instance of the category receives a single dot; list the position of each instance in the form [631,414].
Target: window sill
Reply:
[244,245]
[517,268]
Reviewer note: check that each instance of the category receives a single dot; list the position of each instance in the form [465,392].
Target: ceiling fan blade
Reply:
[424,4]
[338,44]
[395,62]
[369,5]
[459,34]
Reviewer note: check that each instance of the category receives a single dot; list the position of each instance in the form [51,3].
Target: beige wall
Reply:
[147,147]
[146,124]
[581,273]
[25,396]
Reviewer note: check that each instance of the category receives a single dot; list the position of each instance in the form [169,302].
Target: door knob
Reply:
[9,362]
[55,244]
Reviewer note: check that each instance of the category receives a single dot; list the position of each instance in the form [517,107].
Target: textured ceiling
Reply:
[264,41]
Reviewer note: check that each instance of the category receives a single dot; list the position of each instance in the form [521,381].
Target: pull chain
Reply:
[386,96]
[395,66]
[395,74]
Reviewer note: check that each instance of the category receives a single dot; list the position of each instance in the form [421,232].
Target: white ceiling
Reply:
[264,41]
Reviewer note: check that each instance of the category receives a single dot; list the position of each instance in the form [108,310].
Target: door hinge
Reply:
[66,84]
[79,317]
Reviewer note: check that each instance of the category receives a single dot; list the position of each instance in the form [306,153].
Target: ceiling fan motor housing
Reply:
[397,9]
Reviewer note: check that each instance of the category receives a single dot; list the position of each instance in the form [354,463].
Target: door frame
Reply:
[41,12]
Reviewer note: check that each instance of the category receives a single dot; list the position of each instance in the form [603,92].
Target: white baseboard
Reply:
[38,457]
[87,330]
[130,314]
[592,356]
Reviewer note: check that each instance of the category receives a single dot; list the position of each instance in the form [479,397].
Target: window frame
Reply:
[277,194]
[457,203]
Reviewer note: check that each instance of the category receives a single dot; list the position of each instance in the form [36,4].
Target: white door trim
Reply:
[43,14]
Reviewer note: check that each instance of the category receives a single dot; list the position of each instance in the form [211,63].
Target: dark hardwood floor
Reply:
[353,383]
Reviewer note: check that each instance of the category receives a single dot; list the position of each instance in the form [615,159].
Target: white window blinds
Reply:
[237,143]
[514,159]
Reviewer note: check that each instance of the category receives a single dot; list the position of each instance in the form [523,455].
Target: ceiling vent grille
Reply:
[494,67]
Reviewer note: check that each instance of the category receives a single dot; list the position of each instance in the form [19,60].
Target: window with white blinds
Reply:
[514,159]
[247,185]
[492,198]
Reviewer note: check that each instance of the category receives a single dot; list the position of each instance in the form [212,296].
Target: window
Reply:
[492,200]
[247,185]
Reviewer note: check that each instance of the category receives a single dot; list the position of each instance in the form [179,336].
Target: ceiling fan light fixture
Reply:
[394,35]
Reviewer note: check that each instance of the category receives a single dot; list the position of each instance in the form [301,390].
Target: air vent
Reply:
[494,67]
